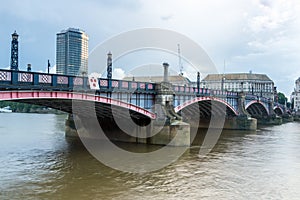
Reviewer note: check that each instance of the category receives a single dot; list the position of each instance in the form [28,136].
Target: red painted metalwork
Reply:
[16,95]
[256,101]
[199,99]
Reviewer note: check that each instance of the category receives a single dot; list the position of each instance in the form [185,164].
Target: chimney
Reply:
[166,72]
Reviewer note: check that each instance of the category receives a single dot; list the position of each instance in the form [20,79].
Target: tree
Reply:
[281,98]
[21,107]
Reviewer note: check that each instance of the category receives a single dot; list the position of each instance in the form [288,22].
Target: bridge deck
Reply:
[139,95]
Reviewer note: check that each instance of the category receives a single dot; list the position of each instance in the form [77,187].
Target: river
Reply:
[38,162]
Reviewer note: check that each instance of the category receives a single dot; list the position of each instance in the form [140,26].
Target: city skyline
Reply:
[260,36]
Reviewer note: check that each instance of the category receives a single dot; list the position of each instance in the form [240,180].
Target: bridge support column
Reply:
[243,121]
[272,118]
[296,116]
[70,129]
[240,123]
[269,120]
[177,133]
[287,118]
[232,123]
[169,128]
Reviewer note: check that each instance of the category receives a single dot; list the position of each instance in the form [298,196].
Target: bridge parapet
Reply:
[34,80]
[188,90]
[183,94]
[250,97]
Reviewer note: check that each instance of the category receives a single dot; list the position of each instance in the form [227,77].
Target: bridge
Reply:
[145,102]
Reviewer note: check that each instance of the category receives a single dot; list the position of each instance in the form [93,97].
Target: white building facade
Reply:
[295,97]
[255,84]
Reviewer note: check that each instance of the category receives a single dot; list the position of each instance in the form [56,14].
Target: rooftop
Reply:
[157,79]
[237,76]
[76,30]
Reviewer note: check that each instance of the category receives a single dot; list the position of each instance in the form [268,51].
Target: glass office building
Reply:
[72,52]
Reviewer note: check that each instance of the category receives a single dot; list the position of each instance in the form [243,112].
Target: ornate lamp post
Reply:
[14,52]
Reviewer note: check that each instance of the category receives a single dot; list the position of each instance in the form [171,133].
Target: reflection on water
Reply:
[38,162]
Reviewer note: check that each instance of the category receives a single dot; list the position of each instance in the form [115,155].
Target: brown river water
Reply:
[38,162]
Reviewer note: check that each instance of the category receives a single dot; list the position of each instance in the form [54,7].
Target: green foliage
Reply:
[281,98]
[26,108]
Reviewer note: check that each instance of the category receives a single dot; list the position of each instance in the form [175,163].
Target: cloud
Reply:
[265,3]
[167,17]
[95,75]
[118,73]
[52,69]
[271,27]
[272,15]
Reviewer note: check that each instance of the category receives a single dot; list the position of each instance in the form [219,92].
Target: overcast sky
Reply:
[258,35]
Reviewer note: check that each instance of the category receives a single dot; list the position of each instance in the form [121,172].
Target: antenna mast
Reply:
[179,61]
[224,68]
[223,78]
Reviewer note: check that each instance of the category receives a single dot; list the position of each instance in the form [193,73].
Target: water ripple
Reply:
[243,165]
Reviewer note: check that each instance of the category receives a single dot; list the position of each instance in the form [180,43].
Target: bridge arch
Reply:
[257,109]
[62,100]
[205,104]
[278,110]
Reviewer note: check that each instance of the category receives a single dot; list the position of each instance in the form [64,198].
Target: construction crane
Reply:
[179,61]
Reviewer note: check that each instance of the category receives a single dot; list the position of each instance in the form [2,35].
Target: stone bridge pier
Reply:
[243,121]
[168,128]
[272,118]
[265,114]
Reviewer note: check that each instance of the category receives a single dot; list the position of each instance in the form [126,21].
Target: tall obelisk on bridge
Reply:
[14,58]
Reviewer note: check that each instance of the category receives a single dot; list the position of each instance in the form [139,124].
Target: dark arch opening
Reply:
[278,111]
[101,110]
[206,114]
[204,109]
[257,110]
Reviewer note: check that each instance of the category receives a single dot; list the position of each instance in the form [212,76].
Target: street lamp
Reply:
[198,82]
[261,93]
[242,85]
[222,84]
